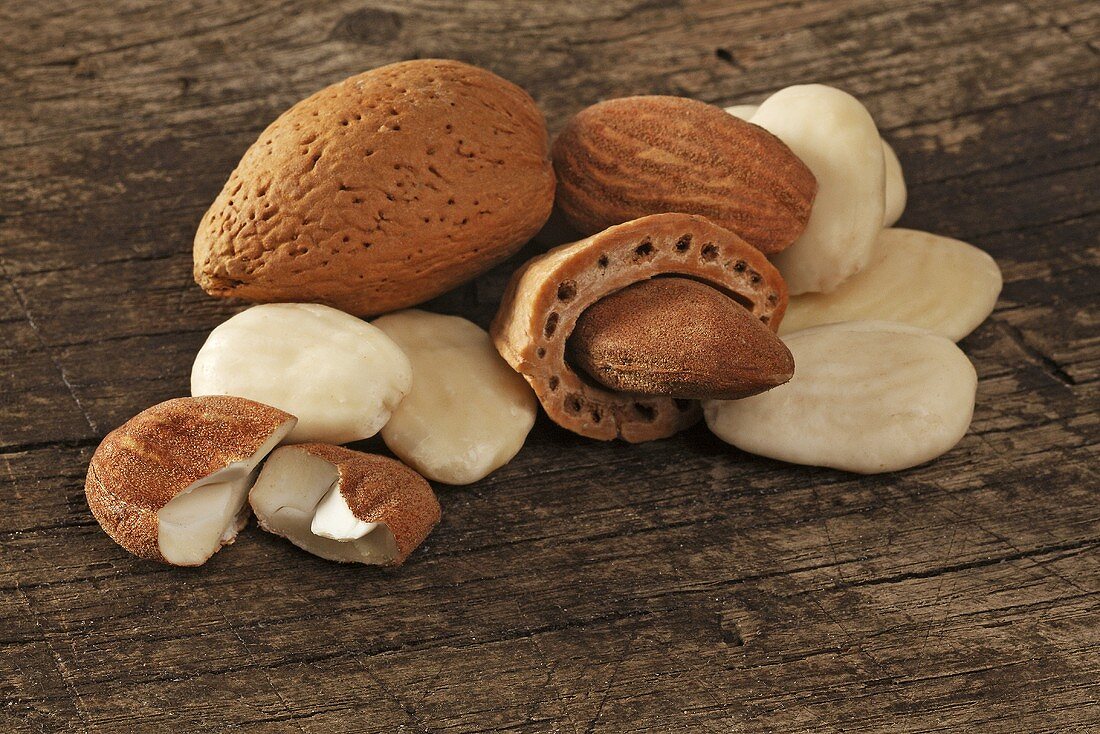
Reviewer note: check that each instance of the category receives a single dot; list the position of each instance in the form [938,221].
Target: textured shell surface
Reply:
[381,191]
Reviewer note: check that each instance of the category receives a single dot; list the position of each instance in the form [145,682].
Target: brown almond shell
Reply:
[547,295]
[625,158]
[380,489]
[142,465]
[381,191]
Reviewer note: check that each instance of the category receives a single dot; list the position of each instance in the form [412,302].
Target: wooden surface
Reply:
[586,587]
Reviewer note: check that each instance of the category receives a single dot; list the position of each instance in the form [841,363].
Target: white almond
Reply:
[341,376]
[469,412]
[915,278]
[895,189]
[896,193]
[867,397]
[836,138]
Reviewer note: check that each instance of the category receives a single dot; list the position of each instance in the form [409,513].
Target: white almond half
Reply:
[866,397]
[341,376]
[916,278]
[468,412]
[170,484]
[344,505]
[836,138]
[895,191]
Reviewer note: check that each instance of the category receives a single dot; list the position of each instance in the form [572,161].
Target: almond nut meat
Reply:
[868,397]
[547,295]
[895,191]
[170,484]
[836,137]
[340,375]
[381,191]
[344,505]
[468,412]
[625,158]
[677,337]
[915,278]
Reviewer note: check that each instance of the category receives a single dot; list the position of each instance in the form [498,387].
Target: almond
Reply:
[914,278]
[468,412]
[344,505]
[381,191]
[868,397]
[548,294]
[678,337]
[625,158]
[170,483]
[836,137]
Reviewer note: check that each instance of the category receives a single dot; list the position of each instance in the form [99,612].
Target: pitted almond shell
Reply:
[381,191]
[547,295]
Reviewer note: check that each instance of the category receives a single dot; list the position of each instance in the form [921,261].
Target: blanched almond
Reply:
[468,412]
[867,397]
[341,376]
[835,136]
[895,189]
[916,278]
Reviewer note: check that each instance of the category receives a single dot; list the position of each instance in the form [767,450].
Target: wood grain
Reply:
[585,587]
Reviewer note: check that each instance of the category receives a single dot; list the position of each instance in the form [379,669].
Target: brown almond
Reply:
[625,158]
[549,293]
[297,479]
[171,449]
[681,338]
[381,191]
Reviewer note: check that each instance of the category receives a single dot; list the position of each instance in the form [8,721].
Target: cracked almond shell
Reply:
[547,295]
[625,158]
[381,191]
[161,452]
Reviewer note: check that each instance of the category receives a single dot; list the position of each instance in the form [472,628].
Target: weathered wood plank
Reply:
[681,586]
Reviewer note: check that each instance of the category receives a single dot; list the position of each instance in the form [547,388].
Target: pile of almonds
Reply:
[736,265]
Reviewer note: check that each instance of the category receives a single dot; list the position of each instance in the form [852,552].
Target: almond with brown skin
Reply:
[381,191]
[625,158]
[170,483]
[549,293]
[680,338]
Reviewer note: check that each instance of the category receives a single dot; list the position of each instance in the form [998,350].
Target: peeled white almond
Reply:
[916,278]
[468,412]
[170,484]
[836,138]
[341,376]
[894,189]
[867,397]
[344,505]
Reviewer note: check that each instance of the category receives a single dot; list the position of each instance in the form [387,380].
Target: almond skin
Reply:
[625,158]
[381,191]
[680,338]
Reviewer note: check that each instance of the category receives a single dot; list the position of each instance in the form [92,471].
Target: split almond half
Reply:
[916,278]
[344,505]
[170,484]
[868,397]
